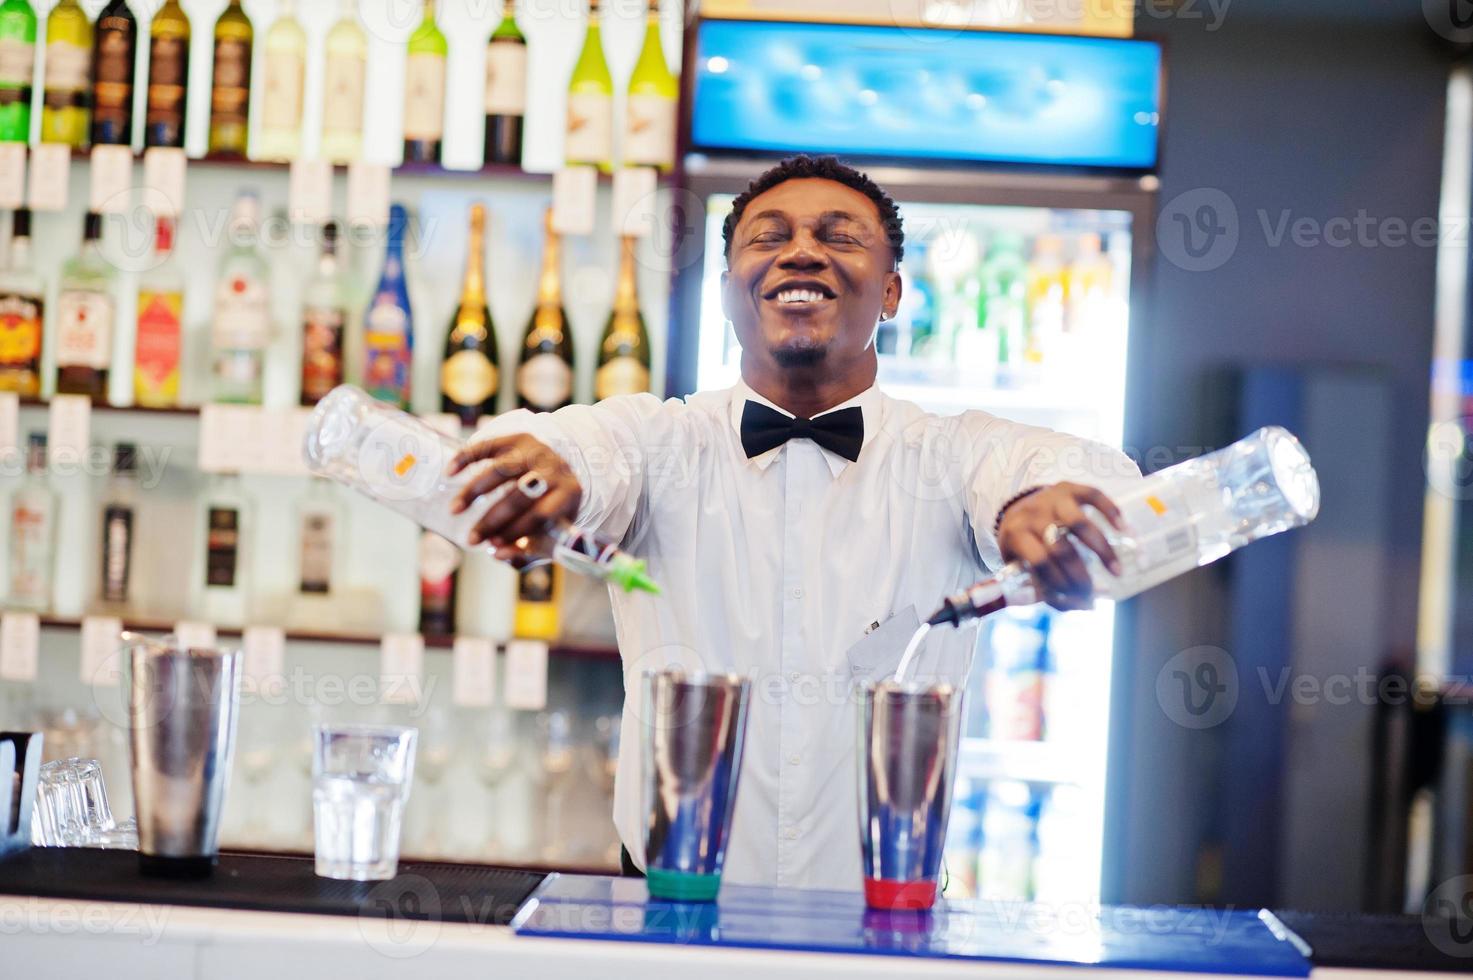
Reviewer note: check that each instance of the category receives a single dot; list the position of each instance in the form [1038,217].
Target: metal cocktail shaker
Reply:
[694,728]
[182,711]
[909,735]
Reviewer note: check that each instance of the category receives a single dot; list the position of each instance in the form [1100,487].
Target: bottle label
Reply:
[1163,533]
[386,353]
[317,537]
[20,332]
[468,378]
[117,551]
[156,357]
[400,462]
[232,87]
[281,103]
[649,138]
[623,375]
[506,79]
[535,584]
[590,128]
[166,81]
[438,558]
[424,97]
[30,555]
[67,69]
[545,381]
[114,90]
[17,62]
[84,334]
[222,547]
[322,351]
[342,106]
[242,316]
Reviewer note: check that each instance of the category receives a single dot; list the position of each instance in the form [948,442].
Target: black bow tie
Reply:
[764,428]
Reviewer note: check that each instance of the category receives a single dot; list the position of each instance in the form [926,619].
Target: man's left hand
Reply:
[1037,528]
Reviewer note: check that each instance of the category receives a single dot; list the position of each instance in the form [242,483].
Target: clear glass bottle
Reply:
[22,314]
[241,329]
[119,529]
[345,69]
[33,514]
[224,577]
[280,135]
[85,313]
[324,316]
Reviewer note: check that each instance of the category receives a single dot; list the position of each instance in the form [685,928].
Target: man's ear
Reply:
[891,303]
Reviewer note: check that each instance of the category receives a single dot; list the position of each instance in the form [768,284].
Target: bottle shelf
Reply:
[185,410]
[571,648]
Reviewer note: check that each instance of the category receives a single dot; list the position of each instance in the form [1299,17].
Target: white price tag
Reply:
[9,423]
[282,432]
[526,675]
[401,668]
[51,165]
[69,428]
[112,179]
[20,640]
[102,654]
[194,636]
[265,656]
[230,438]
[163,180]
[574,196]
[445,423]
[634,201]
[309,194]
[12,175]
[368,194]
[475,672]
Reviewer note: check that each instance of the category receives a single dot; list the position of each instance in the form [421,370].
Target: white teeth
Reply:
[799,296]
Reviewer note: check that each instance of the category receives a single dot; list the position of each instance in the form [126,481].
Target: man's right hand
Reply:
[515,515]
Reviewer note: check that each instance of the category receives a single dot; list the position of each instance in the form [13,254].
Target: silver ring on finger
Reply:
[532,485]
[1054,533]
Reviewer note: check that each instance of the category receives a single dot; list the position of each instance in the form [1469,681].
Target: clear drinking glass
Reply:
[361,776]
[72,808]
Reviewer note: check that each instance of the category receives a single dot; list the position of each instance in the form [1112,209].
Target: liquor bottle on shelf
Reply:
[1003,299]
[224,583]
[538,611]
[119,528]
[588,138]
[439,584]
[388,326]
[168,76]
[66,109]
[85,310]
[22,314]
[624,351]
[33,513]
[470,375]
[158,347]
[1089,281]
[230,90]
[280,135]
[113,55]
[320,527]
[506,89]
[649,122]
[17,67]
[545,374]
[1046,300]
[424,91]
[324,315]
[241,328]
[346,68]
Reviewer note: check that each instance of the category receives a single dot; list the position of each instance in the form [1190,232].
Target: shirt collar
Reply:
[867,400]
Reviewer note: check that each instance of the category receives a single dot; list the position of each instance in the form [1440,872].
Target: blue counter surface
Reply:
[1188,940]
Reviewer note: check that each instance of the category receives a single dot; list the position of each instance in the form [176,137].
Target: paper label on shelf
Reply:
[12,175]
[574,196]
[368,194]
[111,169]
[401,668]
[474,672]
[634,201]
[163,180]
[69,428]
[265,658]
[282,433]
[230,439]
[9,424]
[310,192]
[526,675]
[102,655]
[51,165]
[20,640]
[190,635]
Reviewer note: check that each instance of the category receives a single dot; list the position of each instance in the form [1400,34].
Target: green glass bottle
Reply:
[66,110]
[230,94]
[589,135]
[424,91]
[168,76]
[17,64]
[649,123]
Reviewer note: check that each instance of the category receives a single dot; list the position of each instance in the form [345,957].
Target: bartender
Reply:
[801,522]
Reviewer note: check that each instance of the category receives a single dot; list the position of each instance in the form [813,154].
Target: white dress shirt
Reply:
[775,567]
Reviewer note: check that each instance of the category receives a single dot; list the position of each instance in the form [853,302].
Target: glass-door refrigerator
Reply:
[1022,165]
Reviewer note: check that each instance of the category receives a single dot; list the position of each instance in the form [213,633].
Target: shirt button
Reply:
[792,833]
[793,760]
[797,593]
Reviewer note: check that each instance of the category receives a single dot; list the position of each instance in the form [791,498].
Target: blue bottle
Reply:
[388,326]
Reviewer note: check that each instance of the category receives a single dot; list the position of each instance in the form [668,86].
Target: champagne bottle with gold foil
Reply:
[470,375]
[545,374]
[624,352]
[168,76]
[230,95]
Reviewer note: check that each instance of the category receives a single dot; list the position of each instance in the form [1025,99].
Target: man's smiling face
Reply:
[809,275]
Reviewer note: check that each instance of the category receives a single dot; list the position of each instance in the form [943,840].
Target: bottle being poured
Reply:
[402,462]
[1177,519]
